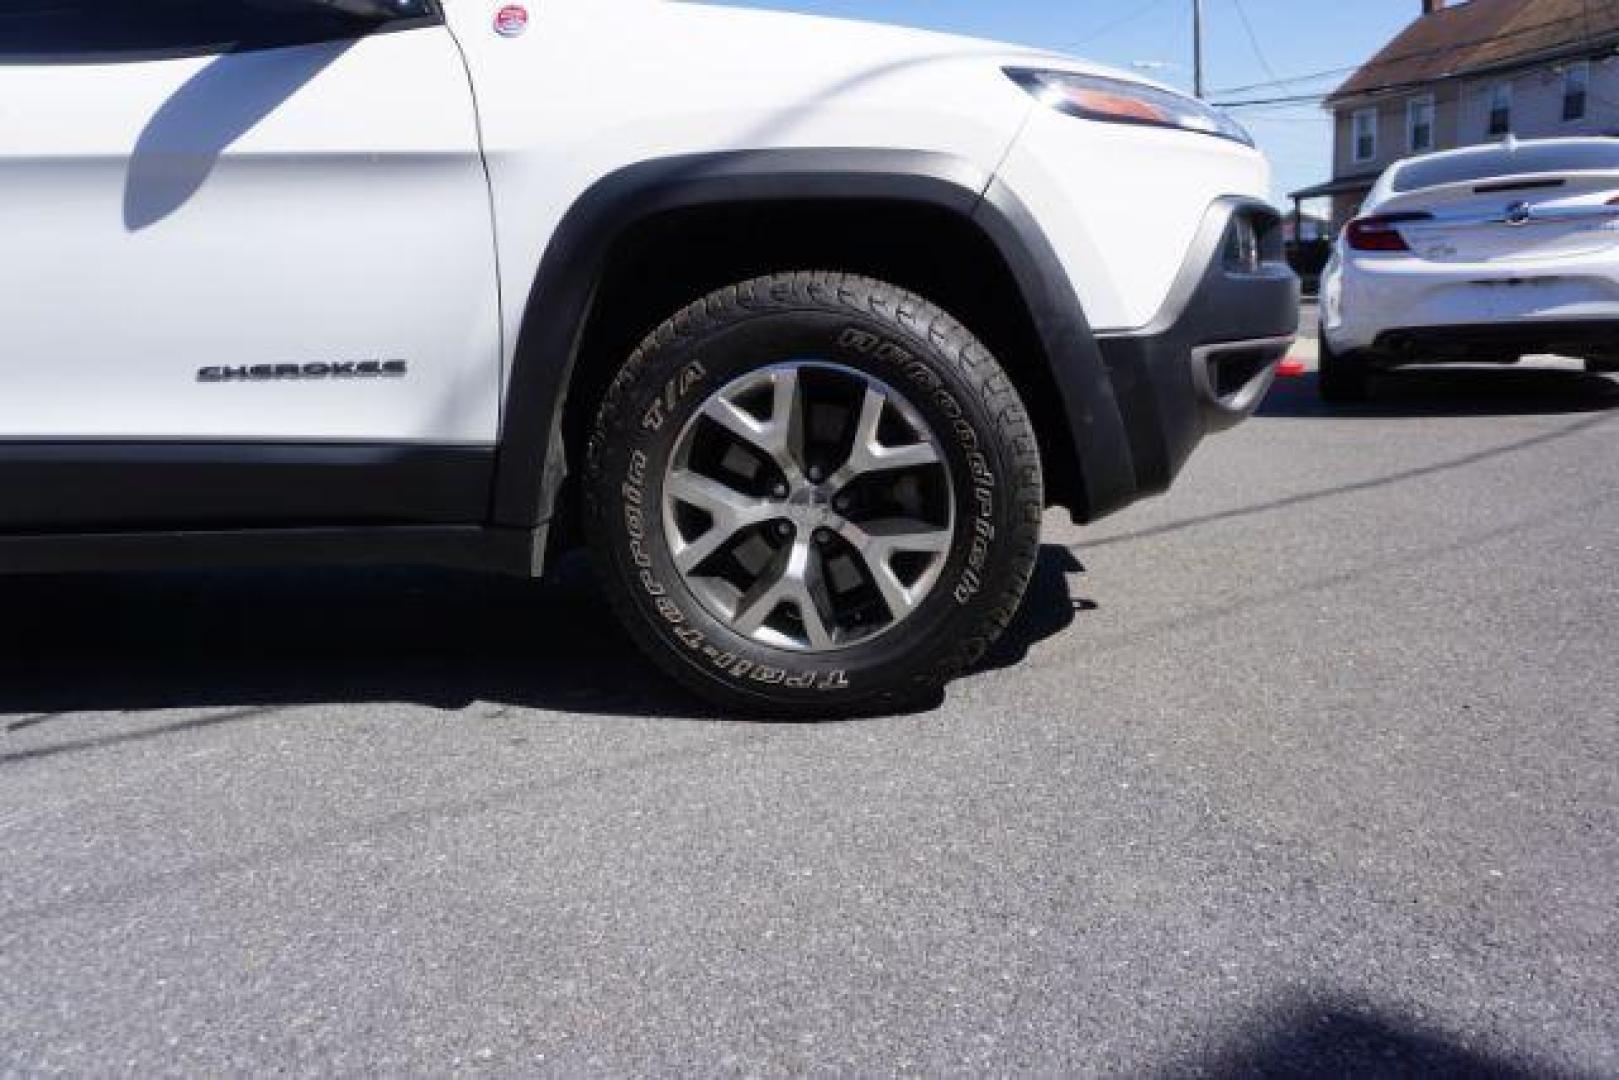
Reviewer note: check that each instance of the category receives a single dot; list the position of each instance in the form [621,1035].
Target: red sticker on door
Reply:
[511,20]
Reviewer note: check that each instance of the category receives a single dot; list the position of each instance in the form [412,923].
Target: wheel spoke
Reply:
[787,424]
[878,542]
[758,603]
[906,457]
[899,599]
[781,437]
[697,552]
[794,578]
[869,455]
[872,408]
[765,565]
[729,511]
[716,499]
[808,594]
[914,536]
[737,422]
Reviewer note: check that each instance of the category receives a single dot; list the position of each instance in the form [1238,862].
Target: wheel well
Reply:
[661,264]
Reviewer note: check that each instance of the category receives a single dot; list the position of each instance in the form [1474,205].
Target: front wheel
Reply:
[813,493]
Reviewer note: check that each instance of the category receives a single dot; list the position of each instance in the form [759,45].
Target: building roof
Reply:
[1480,35]
[1343,185]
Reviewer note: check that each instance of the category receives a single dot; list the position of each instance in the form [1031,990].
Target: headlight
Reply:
[1116,101]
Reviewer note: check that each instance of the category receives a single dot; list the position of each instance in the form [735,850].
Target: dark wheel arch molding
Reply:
[532,460]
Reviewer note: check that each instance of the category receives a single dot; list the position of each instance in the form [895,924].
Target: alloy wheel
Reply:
[808,507]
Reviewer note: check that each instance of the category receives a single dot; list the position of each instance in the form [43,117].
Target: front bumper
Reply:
[1205,363]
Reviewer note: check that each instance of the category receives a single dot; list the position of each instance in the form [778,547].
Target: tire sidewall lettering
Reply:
[656,413]
[970,581]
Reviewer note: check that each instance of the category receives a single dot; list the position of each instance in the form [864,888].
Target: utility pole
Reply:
[1197,48]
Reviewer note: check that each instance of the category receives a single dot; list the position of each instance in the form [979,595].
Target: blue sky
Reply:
[1294,37]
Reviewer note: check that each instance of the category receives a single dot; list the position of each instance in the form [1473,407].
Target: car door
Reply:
[247,269]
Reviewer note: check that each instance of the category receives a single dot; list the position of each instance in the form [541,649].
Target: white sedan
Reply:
[1487,254]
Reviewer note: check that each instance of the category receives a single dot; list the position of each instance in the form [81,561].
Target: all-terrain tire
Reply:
[882,332]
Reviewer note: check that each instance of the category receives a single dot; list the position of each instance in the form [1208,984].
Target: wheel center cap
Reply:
[811,508]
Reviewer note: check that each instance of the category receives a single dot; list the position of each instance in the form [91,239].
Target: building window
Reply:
[1419,113]
[1576,90]
[1364,136]
[1500,109]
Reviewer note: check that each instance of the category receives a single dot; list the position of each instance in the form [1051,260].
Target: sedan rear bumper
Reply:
[1369,297]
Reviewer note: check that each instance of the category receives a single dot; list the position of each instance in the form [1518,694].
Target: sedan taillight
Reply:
[1379,232]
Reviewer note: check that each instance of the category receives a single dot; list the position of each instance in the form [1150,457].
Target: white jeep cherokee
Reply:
[797,324]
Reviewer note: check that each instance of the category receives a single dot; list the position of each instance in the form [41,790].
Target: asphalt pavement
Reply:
[1310,767]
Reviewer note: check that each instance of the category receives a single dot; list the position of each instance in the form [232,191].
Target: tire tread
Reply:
[823,290]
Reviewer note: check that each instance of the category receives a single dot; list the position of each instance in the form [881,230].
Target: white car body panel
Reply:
[393,197]
[320,203]
[560,112]
[1120,204]
[1468,267]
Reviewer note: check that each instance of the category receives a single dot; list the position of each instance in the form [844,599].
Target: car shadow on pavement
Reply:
[1307,1037]
[1455,391]
[245,641]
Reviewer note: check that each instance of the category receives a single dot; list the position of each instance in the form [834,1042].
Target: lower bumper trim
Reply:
[1232,378]
[1588,338]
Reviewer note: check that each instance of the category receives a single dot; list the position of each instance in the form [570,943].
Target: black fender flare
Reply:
[531,460]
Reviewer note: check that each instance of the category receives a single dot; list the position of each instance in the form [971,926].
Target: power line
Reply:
[1253,39]
[1399,58]
[1116,24]
[1367,91]
[1312,116]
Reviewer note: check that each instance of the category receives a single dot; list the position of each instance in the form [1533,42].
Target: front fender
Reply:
[532,457]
